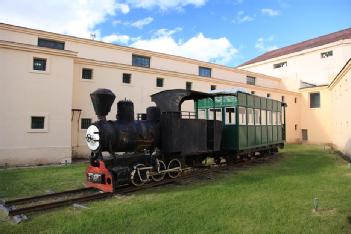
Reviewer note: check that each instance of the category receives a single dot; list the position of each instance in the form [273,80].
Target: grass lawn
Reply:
[269,198]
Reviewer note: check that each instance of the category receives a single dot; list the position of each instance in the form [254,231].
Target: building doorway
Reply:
[304,135]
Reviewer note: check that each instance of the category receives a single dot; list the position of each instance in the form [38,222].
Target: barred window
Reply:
[87,74]
[159,82]
[37,122]
[85,123]
[126,78]
[39,64]
[140,61]
[251,80]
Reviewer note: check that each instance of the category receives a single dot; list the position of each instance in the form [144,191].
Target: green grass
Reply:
[270,198]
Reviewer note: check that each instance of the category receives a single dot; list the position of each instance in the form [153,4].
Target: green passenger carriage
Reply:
[250,123]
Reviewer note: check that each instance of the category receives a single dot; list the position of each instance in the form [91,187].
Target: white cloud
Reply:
[241,17]
[261,44]
[141,23]
[218,50]
[270,12]
[78,18]
[165,4]
[114,38]
[124,8]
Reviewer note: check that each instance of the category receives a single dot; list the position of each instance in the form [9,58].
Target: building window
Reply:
[37,122]
[213,87]
[87,74]
[159,82]
[327,54]
[295,100]
[39,64]
[268,95]
[188,85]
[205,71]
[140,61]
[253,92]
[58,45]
[230,116]
[126,78]
[85,123]
[304,134]
[250,80]
[295,127]
[283,98]
[315,101]
[280,65]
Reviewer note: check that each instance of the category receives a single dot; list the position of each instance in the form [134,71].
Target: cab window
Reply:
[230,116]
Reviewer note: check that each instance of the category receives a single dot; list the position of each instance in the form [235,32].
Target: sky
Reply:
[227,32]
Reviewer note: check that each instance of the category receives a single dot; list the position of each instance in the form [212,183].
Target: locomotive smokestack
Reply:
[102,100]
[125,110]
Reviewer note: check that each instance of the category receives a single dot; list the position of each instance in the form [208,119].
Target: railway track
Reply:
[19,207]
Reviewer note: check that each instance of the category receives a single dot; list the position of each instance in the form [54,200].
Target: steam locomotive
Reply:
[128,151]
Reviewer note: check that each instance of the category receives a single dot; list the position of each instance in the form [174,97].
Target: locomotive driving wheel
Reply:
[176,167]
[138,176]
[160,174]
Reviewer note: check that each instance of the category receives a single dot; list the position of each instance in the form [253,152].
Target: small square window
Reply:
[39,64]
[213,87]
[37,122]
[87,74]
[127,78]
[85,123]
[268,95]
[205,71]
[188,85]
[250,80]
[159,82]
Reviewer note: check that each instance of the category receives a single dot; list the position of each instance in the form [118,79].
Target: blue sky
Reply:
[228,32]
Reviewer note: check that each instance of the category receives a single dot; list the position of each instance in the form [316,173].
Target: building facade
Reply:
[46,79]
[319,70]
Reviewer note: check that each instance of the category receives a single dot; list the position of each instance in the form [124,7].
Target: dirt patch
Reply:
[325,212]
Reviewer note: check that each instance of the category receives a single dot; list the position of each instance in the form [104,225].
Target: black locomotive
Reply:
[162,142]
[150,148]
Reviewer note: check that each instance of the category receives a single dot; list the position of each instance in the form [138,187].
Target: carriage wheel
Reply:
[138,177]
[174,164]
[160,176]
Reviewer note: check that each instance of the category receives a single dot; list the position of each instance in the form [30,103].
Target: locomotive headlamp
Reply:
[92,137]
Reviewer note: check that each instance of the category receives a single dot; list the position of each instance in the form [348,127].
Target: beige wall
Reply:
[306,65]
[25,93]
[340,111]
[59,90]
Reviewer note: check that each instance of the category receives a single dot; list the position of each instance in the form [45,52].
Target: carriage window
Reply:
[279,118]
[269,118]
[201,114]
[274,114]
[250,116]
[218,114]
[230,116]
[257,117]
[263,117]
[242,115]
